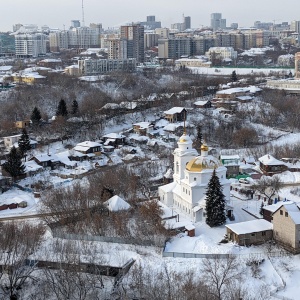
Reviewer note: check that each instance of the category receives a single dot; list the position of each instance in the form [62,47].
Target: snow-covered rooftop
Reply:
[116,203]
[174,110]
[89,144]
[269,160]
[114,136]
[234,91]
[250,226]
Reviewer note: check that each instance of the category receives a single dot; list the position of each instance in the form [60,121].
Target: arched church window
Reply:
[195,178]
[177,167]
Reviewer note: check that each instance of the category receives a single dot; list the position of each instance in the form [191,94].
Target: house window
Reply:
[263,233]
[281,212]
[252,234]
[286,214]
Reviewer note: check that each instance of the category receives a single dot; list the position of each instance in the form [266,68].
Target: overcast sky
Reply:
[111,13]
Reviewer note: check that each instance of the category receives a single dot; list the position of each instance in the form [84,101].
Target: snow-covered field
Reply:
[239,71]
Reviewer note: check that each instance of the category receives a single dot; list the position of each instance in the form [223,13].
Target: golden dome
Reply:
[184,139]
[201,163]
[204,147]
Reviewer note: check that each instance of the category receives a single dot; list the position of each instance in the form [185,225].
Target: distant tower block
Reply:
[297,65]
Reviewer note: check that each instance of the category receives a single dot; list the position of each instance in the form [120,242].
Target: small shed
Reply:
[190,230]
[250,233]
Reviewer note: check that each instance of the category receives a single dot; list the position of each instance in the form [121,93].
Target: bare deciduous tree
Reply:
[268,186]
[219,273]
[17,242]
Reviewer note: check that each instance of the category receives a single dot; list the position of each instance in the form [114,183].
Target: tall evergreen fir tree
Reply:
[215,202]
[24,143]
[14,165]
[74,110]
[62,108]
[35,116]
[233,76]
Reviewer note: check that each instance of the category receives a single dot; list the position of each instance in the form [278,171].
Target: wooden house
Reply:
[202,104]
[270,165]
[175,114]
[46,160]
[113,139]
[142,128]
[89,148]
[250,233]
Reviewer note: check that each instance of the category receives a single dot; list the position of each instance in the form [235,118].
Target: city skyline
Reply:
[60,13]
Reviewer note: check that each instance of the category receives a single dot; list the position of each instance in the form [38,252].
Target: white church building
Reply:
[192,173]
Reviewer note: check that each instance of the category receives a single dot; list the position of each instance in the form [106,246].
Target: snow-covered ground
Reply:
[239,71]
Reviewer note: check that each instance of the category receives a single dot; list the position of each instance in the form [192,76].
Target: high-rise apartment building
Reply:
[16,27]
[175,48]
[163,33]
[134,35]
[75,23]
[79,38]
[30,42]
[295,26]
[7,44]
[117,48]
[187,22]
[216,21]
[150,40]
[151,23]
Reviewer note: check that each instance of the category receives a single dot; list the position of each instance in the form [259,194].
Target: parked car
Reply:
[244,181]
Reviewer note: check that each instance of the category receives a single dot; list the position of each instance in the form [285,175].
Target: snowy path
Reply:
[239,214]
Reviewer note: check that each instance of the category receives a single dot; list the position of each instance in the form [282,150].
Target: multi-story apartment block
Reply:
[187,22]
[150,40]
[151,23]
[77,37]
[163,33]
[216,21]
[29,42]
[59,40]
[175,48]
[7,44]
[16,27]
[75,23]
[295,26]
[117,48]
[134,35]
[89,67]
